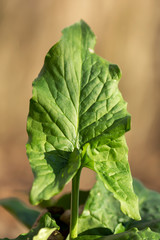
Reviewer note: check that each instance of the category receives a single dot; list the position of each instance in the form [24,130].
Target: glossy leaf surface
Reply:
[77,117]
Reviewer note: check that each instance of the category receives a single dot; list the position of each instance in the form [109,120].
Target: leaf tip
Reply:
[131,209]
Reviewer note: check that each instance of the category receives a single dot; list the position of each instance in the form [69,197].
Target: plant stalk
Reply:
[75,206]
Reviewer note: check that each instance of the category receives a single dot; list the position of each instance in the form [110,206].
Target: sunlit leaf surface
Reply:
[77,118]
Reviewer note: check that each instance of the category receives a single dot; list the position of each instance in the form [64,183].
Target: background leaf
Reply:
[133,234]
[43,230]
[149,204]
[102,211]
[22,212]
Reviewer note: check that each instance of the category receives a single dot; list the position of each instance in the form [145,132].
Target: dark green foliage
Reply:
[23,213]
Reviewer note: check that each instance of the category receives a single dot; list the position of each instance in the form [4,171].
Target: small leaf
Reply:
[119,228]
[43,233]
[22,212]
[44,229]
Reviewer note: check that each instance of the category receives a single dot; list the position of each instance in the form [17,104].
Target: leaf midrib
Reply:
[77,144]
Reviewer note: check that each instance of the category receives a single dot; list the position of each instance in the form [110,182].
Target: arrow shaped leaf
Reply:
[78,118]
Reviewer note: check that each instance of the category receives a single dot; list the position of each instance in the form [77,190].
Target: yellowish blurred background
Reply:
[128,34]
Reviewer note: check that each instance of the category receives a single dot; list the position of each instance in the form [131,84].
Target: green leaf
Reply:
[101,212]
[44,229]
[22,212]
[76,118]
[119,228]
[133,234]
[52,171]
[149,205]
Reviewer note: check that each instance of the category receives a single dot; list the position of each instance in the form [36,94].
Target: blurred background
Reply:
[128,34]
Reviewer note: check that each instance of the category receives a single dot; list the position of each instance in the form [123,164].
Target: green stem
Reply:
[75,206]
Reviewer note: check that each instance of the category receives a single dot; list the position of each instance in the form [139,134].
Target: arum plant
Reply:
[78,119]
